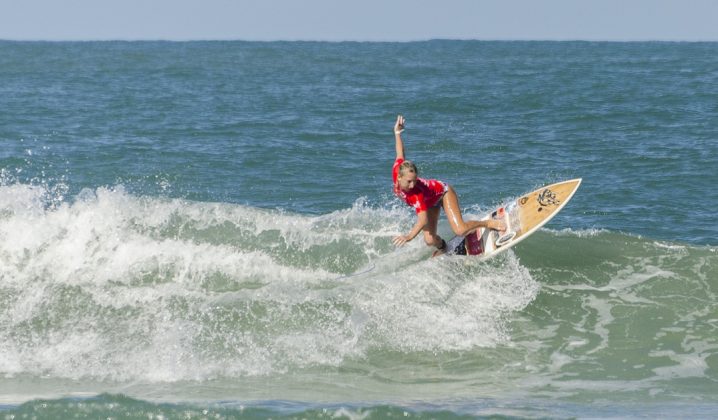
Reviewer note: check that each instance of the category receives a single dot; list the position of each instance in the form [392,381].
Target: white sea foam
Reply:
[579,233]
[451,304]
[115,286]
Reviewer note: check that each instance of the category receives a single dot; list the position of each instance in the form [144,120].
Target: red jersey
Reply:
[425,194]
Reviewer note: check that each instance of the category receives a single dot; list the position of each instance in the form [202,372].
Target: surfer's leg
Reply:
[453,213]
[430,236]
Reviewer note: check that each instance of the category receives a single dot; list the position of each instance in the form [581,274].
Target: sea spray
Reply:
[113,286]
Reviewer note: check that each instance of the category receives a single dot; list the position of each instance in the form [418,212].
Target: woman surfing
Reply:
[427,197]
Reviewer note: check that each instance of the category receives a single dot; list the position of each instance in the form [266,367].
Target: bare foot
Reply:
[441,250]
[438,252]
[499,225]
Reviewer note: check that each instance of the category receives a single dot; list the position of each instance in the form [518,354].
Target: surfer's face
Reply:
[408,181]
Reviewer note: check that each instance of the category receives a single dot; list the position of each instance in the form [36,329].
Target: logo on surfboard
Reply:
[547,198]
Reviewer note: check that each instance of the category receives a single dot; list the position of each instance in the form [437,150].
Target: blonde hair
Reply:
[407,166]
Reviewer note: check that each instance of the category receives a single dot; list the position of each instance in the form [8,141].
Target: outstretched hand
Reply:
[400,240]
[399,125]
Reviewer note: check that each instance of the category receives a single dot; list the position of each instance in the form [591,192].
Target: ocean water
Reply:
[203,230]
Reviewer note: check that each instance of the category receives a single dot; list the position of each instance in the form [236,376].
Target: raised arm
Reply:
[398,128]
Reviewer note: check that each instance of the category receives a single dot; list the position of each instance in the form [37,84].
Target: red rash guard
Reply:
[425,194]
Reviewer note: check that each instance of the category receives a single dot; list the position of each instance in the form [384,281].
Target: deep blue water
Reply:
[207,226]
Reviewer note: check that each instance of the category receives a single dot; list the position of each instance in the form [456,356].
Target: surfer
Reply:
[427,197]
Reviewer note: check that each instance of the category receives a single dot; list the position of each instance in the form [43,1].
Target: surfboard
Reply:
[523,216]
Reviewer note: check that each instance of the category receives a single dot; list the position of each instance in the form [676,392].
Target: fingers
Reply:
[399,241]
[399,125]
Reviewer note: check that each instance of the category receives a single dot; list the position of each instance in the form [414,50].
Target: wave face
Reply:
[113,288]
